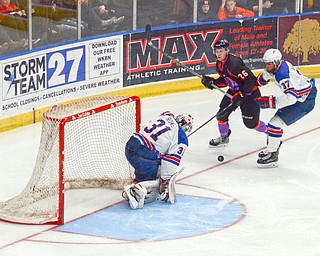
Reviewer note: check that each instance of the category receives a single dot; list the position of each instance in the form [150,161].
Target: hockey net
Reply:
[82,146]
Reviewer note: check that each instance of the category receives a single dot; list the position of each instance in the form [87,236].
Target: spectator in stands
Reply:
[204,12]
[14,20]
[106,11]
[280,7]
[7,7]
[229,10]
[254,5]
[94,20]
[8,11]
[7,45]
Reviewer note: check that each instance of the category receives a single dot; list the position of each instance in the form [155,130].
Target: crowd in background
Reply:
[56,21]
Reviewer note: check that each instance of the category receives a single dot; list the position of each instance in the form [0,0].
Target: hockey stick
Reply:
[149,42]
[216,115]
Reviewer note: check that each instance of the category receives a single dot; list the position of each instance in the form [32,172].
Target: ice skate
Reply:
[268,159]
[262,153]
[220,142]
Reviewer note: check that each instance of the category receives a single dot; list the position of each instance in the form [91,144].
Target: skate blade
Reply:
[219,146]
[270,165]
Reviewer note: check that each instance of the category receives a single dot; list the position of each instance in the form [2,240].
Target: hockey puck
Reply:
[220,158]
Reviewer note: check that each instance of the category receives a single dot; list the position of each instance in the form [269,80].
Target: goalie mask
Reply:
[185,121]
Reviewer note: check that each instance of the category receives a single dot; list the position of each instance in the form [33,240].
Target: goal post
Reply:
[82,145]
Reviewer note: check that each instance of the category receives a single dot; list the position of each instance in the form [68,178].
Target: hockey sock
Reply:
[274,137]
[261,127]
[223,128]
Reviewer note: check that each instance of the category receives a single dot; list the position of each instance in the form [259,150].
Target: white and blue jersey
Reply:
[294,85]
[166,143]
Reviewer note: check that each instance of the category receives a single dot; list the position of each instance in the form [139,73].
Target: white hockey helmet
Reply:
[167,113]
[185,121]
[272,55]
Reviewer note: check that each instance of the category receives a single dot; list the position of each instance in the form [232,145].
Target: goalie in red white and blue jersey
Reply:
[155,153]
[297,100]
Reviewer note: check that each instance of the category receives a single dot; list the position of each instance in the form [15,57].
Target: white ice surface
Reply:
[282,204]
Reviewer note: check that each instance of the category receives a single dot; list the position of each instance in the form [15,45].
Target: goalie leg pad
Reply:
[172,188]
[152,187]
[168,190]
[135,195]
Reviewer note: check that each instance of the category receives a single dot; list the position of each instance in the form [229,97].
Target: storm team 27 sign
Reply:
[30,80]
[24,77]
[66,66]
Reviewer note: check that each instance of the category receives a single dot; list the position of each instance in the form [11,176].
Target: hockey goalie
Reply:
[155,153]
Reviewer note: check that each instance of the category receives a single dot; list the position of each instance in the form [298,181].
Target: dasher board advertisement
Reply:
[68,72]
[193,46]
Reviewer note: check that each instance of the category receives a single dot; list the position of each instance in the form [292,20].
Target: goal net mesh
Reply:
[82,146]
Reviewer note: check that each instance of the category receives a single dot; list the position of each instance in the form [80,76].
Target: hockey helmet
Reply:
[272,55]
[221,44]
[167,113]
[185,121]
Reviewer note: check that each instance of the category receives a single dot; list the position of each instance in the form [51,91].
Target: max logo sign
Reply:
[189,48]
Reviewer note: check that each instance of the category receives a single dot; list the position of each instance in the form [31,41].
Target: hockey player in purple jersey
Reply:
[155,153]
[297,100]
[233,73]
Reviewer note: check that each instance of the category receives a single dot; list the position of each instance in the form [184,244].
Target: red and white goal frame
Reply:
[82,146]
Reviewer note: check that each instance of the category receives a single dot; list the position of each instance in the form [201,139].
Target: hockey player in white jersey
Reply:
[155,153]
[297,100]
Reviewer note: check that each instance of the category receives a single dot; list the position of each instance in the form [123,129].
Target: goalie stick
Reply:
[216,115]
[149,42]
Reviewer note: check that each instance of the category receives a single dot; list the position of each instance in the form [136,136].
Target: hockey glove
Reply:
[238,99]
[266,101]
[207,81]
[264,78]
[261,81]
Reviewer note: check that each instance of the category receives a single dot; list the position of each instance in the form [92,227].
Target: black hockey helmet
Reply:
[221,43]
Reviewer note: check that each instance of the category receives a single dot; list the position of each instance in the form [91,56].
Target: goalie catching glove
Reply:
[208,82]
[266,101]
